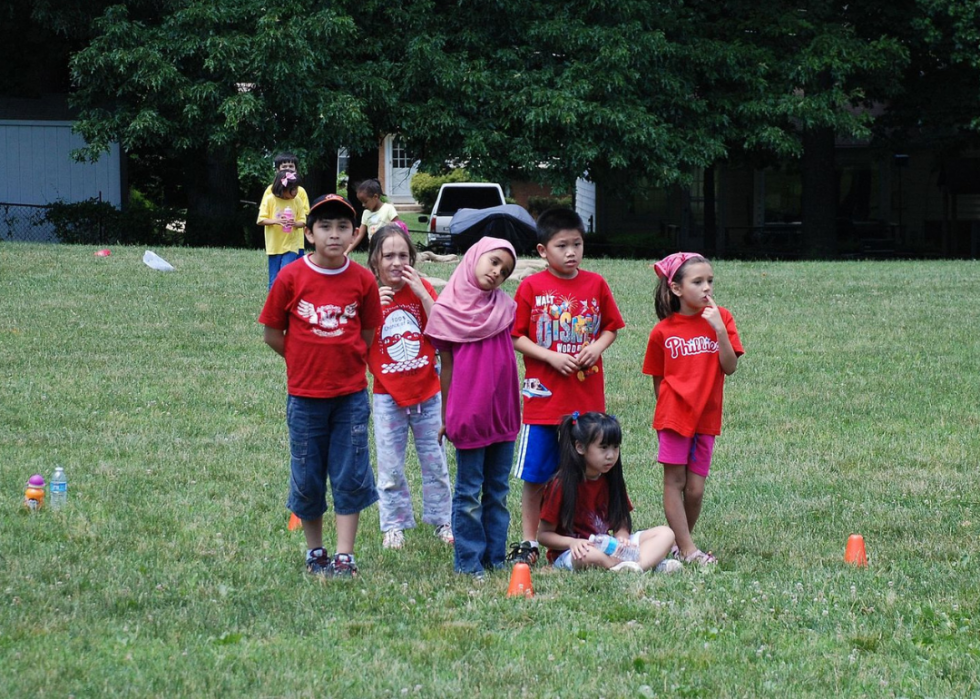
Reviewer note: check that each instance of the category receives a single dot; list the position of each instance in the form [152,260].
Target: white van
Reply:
[453,197]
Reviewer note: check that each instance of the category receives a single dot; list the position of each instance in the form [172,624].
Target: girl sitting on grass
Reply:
[406,392]
[587,496]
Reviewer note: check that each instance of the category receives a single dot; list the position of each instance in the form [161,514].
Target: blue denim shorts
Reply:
[537,457]
[328,437]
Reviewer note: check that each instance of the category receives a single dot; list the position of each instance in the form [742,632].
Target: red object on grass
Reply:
[103,252]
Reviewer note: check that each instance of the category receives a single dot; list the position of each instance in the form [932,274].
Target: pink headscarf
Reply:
[668,266]
[466,313]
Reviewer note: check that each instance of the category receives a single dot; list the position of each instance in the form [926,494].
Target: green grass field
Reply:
[171,573]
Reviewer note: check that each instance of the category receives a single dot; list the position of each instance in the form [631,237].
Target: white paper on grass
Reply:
[154,261]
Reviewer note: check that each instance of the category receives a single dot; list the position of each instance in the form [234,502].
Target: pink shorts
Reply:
[694,452]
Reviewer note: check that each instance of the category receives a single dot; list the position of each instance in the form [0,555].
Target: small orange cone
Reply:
[520,581]
[855,554]
[294,522]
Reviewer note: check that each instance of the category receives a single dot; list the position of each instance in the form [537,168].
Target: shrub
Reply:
[94,222]
[425,187]
[538,204]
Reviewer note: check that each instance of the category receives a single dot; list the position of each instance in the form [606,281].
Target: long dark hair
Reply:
[585,430]
[664,300]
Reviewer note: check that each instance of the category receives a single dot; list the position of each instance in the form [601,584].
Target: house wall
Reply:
[36,169]
[586,204]
[36,166]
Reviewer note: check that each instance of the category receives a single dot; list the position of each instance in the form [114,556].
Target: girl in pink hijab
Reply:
[470,324]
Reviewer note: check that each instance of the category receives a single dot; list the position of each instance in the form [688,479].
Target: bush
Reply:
[539,204]
[425,187]
[94,222]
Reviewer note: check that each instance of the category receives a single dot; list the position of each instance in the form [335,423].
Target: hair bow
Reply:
[575,417]
[287,177]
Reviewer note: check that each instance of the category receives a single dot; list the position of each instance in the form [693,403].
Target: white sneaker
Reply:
[394,539]
[668,565]
[627,567]
[445,534]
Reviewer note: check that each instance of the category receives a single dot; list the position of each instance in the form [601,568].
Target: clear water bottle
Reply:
[611,547]
[59,488]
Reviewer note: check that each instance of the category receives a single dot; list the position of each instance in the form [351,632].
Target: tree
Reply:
[202,80]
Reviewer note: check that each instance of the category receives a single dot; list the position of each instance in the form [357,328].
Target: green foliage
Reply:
[98,222]
[538,204]
[425,187]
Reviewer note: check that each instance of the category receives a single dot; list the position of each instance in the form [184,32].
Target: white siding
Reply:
[585,204]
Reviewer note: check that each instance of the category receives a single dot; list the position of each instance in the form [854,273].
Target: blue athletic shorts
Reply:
[537,456]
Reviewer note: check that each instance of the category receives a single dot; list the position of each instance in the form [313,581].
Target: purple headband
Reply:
[668,266]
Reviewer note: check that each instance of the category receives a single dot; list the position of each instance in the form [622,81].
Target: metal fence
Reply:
[25,223]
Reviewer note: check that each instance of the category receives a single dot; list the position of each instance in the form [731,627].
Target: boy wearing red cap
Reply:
[321,315]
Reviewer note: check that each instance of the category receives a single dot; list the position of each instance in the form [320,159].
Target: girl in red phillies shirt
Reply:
[690,351]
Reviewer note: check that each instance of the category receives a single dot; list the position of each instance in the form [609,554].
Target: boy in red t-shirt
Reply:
[566,318]
[321,315]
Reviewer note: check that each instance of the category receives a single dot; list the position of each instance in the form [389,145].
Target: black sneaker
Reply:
[523,553]
[318,563]
[343,566]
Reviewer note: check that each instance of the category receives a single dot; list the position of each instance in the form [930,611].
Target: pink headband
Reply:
[668,266]
[287,177]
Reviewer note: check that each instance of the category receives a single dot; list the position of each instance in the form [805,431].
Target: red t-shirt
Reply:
[563,315]
[323,312]
[683,350]
[402,360]
[591,510]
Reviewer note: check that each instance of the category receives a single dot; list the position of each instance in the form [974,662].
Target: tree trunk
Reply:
[710,220]
[819,180]
[214,216]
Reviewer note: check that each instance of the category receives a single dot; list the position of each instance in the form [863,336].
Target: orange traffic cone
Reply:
[855,554]
[294,522]
[520,581]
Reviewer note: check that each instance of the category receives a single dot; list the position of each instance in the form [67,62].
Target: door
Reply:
[401,166]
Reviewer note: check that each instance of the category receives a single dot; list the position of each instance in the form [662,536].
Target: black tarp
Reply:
[509,221]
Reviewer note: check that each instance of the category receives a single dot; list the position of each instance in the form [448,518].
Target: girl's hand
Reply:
[387,295]
[713,316]
[580,548]
[414,281]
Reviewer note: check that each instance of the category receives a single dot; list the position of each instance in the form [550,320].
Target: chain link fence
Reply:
[26,223]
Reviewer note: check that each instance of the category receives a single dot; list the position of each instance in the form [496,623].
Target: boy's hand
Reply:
[387,295]
[565,364]
[442,433]
[713,316]
[588,356]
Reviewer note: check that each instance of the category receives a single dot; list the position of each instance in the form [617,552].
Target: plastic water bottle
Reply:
[59,488]
[287,217]
[611,547]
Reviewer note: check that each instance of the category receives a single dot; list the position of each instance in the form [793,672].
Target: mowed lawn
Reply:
[171,572]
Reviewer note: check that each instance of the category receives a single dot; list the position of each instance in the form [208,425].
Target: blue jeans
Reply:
[277,262]
[328,439]
[480,516]
[391,427]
